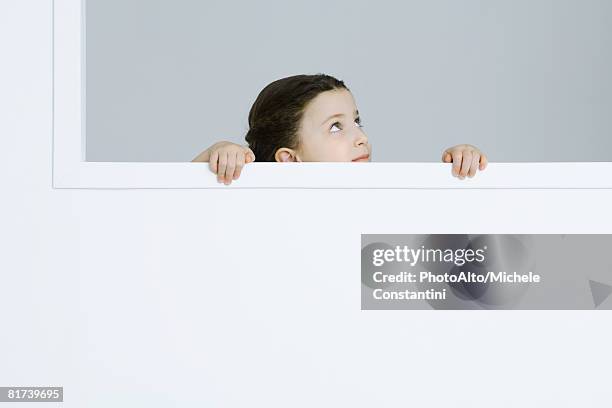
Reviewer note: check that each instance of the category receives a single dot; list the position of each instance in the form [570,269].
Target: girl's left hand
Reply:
[466,160]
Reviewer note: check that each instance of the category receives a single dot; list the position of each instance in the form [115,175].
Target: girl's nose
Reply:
[361,139]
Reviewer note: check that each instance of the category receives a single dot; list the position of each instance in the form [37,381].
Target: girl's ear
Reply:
[285,155]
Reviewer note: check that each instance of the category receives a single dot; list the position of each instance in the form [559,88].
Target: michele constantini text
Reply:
[429,277]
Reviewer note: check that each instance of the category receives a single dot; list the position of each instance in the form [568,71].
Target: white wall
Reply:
[251,298]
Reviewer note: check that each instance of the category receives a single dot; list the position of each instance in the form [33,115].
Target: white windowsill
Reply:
[333,175]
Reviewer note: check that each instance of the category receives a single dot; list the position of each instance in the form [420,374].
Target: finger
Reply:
[465,165]
[446,157]
[456,163]
[231,166]
[212,163]
[474,164]
[239,166]
[250,156]
[483,162]
[222,166]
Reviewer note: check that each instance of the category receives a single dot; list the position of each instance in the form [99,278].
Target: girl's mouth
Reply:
[362,158]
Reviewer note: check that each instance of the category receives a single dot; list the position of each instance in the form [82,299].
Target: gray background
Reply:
[522,80]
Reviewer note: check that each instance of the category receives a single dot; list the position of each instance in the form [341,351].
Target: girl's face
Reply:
[331,131]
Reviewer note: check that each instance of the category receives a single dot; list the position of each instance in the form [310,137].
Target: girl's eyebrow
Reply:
[338,115]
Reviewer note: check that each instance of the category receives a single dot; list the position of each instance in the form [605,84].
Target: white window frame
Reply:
[70,170]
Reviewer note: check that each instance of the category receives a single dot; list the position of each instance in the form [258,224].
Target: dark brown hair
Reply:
[274,118]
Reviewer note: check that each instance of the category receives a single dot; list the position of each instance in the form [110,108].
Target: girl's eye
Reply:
[358,122]
[337,126]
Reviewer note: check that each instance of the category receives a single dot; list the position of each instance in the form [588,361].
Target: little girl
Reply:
[311,118]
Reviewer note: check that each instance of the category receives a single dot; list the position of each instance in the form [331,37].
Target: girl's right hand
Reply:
[226,160]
